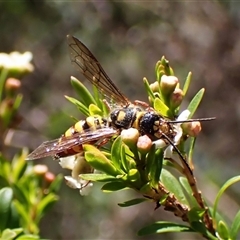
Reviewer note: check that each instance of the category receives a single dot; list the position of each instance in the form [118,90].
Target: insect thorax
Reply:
[146,122]
[124,118]
[155,126]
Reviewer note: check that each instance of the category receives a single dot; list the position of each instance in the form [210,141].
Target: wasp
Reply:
[96,129]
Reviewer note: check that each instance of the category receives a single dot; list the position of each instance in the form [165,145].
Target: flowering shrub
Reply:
[149,167]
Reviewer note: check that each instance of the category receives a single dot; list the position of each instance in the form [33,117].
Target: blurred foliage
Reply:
[26,192]
[128,38]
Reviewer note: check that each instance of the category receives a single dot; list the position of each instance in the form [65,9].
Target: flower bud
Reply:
[40,169]
[144,144]
[192,128]
[49,177]
[12,84]
[176,98]
[154,86]
[168,84]
[130,137]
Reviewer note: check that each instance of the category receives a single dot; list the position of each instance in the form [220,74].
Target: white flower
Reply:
[83,185]
[78,165]
[177,128]
[161,143]
[16,60]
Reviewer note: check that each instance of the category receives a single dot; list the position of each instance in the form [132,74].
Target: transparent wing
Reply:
[89,66]
[53,147]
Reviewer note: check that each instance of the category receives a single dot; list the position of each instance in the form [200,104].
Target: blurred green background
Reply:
[128,38]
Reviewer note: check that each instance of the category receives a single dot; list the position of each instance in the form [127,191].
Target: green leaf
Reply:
[196,214]
[221,191]
[3,182]
[19,166]
[134,176]
[84,95]
[154,165]
[164,227]
[192,107]
[82,108]
[20,193]
[150,160]
[3,77]
[235,226]
[9,234]
[23,212]
[191,199]
[99,161]
[44,205]
[114,186]
[28,237]
[94,110]
[116,153]
[56,184]
[192,141]
[158,77]
[148,89]
[161,108]
[201,228]
[6,196]
[133,202]
[127,159]
[223,230]
[17,102]
[5,168]
[97,97]
[187,83]
[172,185]
[14,219]
[97,177]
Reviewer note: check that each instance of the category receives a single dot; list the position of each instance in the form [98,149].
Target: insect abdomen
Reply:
[91,123]
[82,126]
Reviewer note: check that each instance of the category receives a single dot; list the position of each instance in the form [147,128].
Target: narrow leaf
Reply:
[157,161]
[196,214]
[19,167]
[28,237]
[133,202]
[97,177]
[187,83]
[116,153]
[222,190]
[172,185]
[235,226]
[99,161]
[192,107]
[83,93]
[223,230]
[82,108]
[95,110]
[45,204]
[8,234]
[161,108]
[113,186]
[6,196]
[164,227]
[192,201]
[56,184]
[201,228]
[148,89]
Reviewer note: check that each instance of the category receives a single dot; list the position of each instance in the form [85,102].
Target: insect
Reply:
[97,129]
